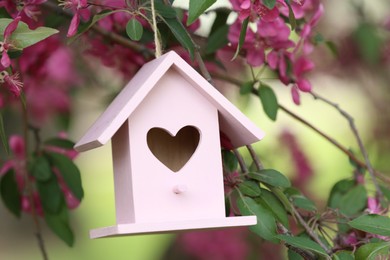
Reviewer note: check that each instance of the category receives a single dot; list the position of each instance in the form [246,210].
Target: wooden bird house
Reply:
[165,133]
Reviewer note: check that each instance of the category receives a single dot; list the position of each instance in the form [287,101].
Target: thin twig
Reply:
[255,158]
[28,187]
[363,150]
[309,231]
[307,255]
[240,160]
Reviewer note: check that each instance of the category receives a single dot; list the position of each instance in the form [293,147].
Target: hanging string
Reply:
[155,30]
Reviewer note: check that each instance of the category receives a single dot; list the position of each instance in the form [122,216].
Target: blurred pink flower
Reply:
[49,74]
[18,164]
[26,204]
[227,244]
[302,167]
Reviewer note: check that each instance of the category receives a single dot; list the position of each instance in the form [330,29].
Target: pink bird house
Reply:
[165,130]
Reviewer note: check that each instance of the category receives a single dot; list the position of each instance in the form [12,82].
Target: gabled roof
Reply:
[240,130]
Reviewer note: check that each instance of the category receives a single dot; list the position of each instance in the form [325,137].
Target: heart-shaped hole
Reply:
[173,151]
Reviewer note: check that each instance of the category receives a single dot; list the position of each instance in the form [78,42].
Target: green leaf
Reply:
[369,42]
[372,223]
[271,177]
[23,37]
[196,8]
[3,136]
[41,169]
[372,251]
[332,47]
[385,191]
[220,19]
[165,11]
[181,34]
[241,40]
[217,40]
[269,101]
[291,17]
[9,192]
[275,206]
[266,226]
[250,188]
[270,4]
[58,223]
[134,29]
[229,160]
[354,201]
[4,13]
[60,142]
[304,243]
[344,255]
[338,190]
[246,88]
[294,256]
[69,172]
[302,202]
[50,194]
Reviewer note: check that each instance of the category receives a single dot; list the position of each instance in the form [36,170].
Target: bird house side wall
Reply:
[124,201]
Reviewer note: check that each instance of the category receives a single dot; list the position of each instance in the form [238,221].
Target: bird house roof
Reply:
[234,124]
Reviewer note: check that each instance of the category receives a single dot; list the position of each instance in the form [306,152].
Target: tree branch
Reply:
[342,148]
[363,150]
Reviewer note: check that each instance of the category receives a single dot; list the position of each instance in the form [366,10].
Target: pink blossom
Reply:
[79,8]
[6,45]
[71,201]
[126,60]
[11,82]
[70,153]
[373,206]
[300,67]
[28,10]
[269,35]
[16,144]
[254,10]
[295,95]
[307,31]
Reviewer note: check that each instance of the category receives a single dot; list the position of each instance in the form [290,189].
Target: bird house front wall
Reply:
[176,168]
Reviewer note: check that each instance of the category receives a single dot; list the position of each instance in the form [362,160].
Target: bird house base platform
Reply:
[164,227]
